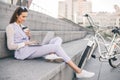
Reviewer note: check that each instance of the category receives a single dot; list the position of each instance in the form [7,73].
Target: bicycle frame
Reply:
[108,47]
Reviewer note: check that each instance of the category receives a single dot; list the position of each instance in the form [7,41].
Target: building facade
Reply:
[62,10]
[71,9]
[67,9]
[102,19]
[78,8]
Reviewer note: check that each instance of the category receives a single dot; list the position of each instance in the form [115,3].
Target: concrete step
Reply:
[39,35]
[39,69]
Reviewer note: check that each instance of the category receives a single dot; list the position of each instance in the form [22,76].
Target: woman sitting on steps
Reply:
[17,40]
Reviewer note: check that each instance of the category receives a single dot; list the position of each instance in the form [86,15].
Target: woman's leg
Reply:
[74,66]
[46,49]
[52,56]
[59,51]
[80,73]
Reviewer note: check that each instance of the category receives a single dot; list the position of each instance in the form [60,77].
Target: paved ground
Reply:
[103,71]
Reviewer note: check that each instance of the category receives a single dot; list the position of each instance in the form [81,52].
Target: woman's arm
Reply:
[10,39]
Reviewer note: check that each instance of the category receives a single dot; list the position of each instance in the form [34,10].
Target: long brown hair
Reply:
[18,12]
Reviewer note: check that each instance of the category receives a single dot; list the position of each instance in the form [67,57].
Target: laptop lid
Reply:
[48,37]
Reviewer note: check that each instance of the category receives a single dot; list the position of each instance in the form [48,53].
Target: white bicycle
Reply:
[109,51]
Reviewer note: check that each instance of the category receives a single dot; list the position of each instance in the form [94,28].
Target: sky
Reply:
[104,5]
[51,6]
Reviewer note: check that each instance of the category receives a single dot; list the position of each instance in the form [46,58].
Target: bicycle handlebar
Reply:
[91,22]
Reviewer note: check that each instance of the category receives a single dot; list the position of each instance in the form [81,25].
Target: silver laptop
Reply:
[49,35]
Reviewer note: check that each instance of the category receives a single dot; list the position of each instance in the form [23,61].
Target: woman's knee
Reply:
[58,38]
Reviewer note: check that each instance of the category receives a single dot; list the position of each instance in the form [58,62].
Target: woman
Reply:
[17,40]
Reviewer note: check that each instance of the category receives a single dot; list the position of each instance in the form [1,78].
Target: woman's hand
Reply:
[27,31]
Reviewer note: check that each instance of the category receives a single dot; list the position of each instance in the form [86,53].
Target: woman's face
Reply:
[21,18]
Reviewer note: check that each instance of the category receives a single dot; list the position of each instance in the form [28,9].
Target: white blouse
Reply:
[10,38]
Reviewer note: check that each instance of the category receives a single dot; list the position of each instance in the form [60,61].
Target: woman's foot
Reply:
[53,58]
[85,74]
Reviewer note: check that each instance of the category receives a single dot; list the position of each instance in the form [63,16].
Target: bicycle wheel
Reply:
[115,61]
